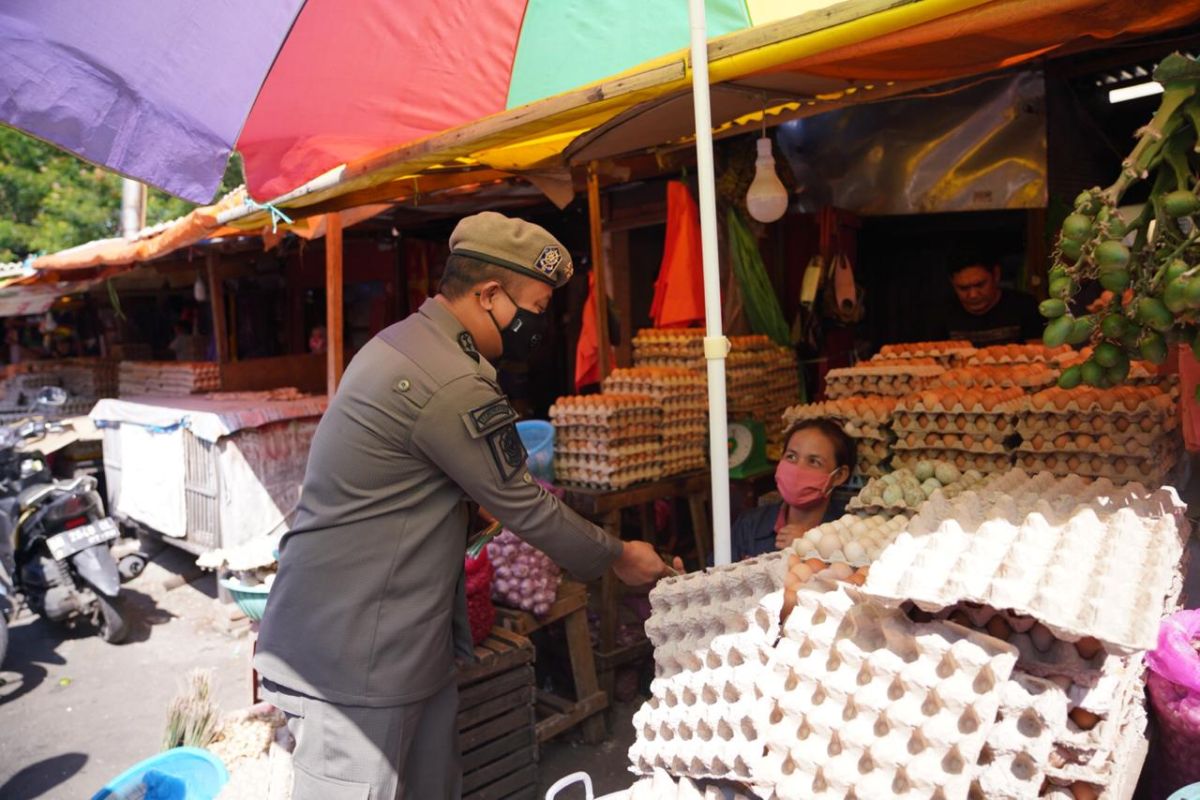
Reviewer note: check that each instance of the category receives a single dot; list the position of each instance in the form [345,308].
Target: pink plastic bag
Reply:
[1174,684]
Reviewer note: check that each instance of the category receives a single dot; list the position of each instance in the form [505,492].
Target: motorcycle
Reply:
[54,539]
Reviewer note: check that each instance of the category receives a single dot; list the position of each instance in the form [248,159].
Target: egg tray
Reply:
[1115,775]
[997,424]
[1132,401]
[614,432]
[1098,428]
[672,468]
[1119,469]
[973,401]
[1012,762]
[876,410]
[607,463]
[898,387]
[1126,564]
[1157,449]
[604,418]
[869,469]
[866,703]
[1024,376]
[661,786]
[1111,424]
[858,525]
[605,450]
[948,347]
[987,463]
[598,479]
[1018,354]
[966,442]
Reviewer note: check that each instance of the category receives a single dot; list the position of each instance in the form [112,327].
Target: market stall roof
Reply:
[820,59]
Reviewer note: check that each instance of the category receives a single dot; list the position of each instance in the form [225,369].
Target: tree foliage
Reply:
[50,200]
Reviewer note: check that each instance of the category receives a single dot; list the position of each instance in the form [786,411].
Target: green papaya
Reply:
[1113,326]
[1081,330]
[1115,280]
[1057,331]
[1077,227]
[1071,249]
[1153,348]
[1107,354]
[1092,372]
[1052,308]
[1179,203]
[1111,255]
[1070,377]
[1152,313]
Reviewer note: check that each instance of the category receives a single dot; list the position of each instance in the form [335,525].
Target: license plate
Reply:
[68,543]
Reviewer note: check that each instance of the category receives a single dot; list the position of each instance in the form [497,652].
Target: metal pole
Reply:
[716,346]
[596,226]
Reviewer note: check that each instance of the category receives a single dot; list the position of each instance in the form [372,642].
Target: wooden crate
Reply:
[496,721]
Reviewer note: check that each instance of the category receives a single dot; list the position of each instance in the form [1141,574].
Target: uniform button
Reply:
[404,385]
[528,478]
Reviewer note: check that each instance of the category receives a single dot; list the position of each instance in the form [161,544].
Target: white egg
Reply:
[813,535]
[855,551]
[830,543]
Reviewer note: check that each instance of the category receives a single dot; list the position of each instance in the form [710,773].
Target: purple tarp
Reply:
[158,89]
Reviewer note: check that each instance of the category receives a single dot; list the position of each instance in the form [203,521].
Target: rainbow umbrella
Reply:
[163,92]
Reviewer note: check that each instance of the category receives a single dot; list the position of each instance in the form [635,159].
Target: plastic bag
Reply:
[1174,685]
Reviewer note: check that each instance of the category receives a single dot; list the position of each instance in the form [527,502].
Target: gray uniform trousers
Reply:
[373,753]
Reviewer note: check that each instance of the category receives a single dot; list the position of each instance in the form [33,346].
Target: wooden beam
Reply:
[335,356]
[597,235]
[216,299]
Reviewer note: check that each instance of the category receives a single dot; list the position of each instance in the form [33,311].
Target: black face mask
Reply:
[521,337]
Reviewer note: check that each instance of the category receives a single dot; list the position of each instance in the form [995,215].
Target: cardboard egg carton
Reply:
[986,442]
[607,463]
[998,376]
[658,382]
[1103,577]
[993,401]
[600,478]
[1121,469]
[711,632]
[1114,776]
[831,541]
[890,380]
[1099,427]
[861,417]
[661,786]
[1143,446]
[1018,354]
[1012,764]
[987,463]
[866,703]
[921,422]
[1132,401]
[948,351]
[613,453]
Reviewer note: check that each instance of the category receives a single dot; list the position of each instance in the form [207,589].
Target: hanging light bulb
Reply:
[200,290]
[767,198]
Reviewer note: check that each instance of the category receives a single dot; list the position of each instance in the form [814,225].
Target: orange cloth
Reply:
[679,291]
[587,352]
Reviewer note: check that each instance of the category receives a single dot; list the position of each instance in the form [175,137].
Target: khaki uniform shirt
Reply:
[369,577]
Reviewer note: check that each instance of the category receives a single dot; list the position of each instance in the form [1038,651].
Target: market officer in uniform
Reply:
[356,644]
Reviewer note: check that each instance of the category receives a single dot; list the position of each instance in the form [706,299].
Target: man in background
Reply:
[987,314]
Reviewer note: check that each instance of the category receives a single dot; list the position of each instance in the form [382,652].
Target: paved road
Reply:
[75,712]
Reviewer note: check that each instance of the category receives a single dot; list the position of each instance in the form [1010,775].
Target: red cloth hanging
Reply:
[587,351]
[679,291]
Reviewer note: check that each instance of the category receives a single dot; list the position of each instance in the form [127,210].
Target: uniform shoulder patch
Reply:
[489,416]
[507,451]
[467,342]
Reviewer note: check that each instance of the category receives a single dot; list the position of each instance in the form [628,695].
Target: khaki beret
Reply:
[514,244]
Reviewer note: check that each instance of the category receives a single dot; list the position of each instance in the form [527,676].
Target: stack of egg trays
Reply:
[949,353]
[683,395]
[712,634]
[893,378]
[952,428]
[661,786]
[607,441]
[1092,433]
[866,703]
[1086,641]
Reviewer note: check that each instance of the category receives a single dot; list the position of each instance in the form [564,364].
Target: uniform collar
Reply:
[452,329]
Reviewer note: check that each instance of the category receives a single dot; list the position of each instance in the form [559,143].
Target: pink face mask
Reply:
[802,487]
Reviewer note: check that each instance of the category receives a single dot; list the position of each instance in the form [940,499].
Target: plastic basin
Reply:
[252,600]
[185,773]
[538,437]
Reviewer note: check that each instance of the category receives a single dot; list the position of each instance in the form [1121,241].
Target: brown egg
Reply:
[998,626]
[1088,647]
[1061,441]
[1073,463]
[1061,401]
[1121,424]
[961,423]
[1086,720]
[1038,442]
[958,616]
[816,565]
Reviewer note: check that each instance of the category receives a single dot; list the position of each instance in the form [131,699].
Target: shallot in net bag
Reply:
[1174,684]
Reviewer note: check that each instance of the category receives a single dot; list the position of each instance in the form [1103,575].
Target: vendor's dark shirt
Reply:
[754,531]
[1013,320]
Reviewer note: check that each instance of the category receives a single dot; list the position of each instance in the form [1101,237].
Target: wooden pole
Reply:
[216,299]
[597,235]
[335,357]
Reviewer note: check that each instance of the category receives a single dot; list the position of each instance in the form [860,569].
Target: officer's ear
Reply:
[486,292]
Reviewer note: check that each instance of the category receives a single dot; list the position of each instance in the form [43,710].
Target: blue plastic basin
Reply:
[538,437]
[185,773]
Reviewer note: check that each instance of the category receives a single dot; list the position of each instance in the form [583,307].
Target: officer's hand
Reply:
[640,564]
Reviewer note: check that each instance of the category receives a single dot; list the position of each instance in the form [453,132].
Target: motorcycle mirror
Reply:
[53,396]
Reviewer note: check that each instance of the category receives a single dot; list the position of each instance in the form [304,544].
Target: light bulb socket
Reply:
[764,149]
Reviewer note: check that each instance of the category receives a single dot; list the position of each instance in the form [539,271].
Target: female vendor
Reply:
[818,457]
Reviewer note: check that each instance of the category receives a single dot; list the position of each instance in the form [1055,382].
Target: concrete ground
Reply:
[76,712]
